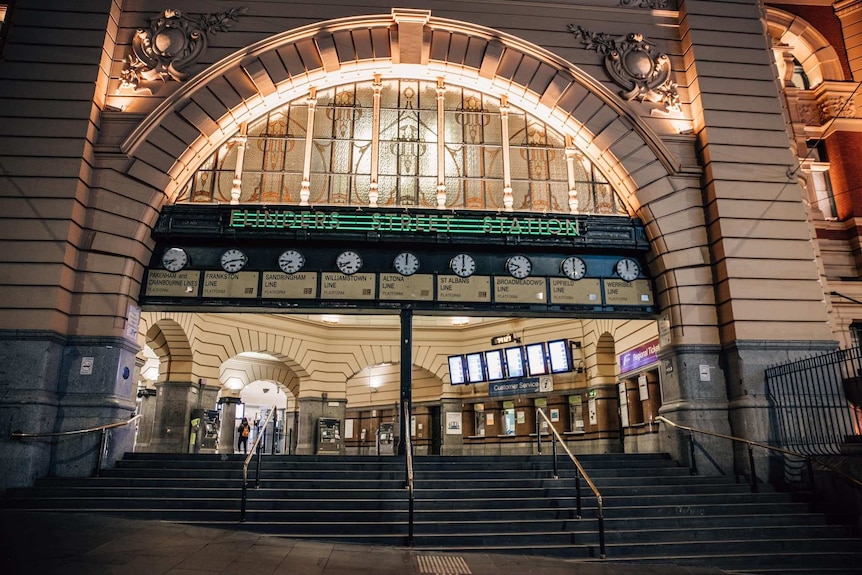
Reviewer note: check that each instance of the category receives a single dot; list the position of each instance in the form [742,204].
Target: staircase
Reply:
[655,511]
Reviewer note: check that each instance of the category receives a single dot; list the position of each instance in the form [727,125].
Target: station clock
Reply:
[175,259]
[233,260]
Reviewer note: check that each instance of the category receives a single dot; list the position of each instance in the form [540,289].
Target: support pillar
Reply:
[61,385]
[175,401]
[694,394]
[147,411]
[310,410]
[453,443]
[406,378]
[227,425]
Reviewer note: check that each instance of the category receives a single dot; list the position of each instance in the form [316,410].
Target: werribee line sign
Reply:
[403,222]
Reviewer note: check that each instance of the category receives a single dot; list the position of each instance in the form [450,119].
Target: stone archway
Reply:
[182,132]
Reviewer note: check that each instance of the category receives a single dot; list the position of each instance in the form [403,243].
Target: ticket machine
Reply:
[386,439]
[329,435]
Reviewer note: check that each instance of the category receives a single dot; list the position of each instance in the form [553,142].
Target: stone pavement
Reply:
[43,543]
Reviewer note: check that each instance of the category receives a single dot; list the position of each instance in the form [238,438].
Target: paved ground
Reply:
[43,543]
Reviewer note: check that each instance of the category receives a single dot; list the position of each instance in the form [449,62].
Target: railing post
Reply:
[578,493]
[257,467]
[538,433]
[244,499]
[103,446]
[601,532]
[693,465]
[751,469]
[554,455]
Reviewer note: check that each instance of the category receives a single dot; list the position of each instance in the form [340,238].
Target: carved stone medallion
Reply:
[634,64]
[171,44]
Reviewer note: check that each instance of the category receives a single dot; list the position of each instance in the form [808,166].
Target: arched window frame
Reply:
[377,143]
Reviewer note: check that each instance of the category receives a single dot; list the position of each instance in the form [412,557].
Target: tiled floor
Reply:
[41,543]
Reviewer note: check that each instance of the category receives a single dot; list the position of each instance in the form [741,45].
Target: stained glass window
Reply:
[337,137]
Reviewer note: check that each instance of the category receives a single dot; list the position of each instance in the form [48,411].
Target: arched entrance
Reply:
[552,140]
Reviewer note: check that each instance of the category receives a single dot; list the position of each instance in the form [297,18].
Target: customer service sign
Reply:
[521,386]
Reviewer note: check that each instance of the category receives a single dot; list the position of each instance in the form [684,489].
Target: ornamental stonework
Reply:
[829,101]
[634,63]
[651,4]
[170,45]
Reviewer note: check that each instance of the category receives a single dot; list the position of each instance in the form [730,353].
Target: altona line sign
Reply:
[401,222]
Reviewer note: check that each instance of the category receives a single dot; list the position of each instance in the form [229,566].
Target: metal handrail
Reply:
[255,445]
[809,460]
[103,440]
[581,471]
[408,444]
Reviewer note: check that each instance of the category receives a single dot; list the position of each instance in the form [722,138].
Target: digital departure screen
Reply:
[475,367]
[457,370]
[559,354]
[515,361]
[494,363]
[536,360]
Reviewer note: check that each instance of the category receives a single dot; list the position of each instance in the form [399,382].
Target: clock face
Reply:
[406,263]
[463,265]
[573,267]
[348,262]
[291,261]
[627,269]
[175,259]
[519,266]
[233,260]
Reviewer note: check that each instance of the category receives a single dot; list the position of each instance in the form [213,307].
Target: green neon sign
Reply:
[402,222]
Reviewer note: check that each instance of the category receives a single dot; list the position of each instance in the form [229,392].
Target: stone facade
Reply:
[109,109]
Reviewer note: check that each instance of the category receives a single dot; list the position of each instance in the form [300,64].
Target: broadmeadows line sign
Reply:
[401,222]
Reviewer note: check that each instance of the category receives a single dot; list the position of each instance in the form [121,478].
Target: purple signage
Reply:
[640,356]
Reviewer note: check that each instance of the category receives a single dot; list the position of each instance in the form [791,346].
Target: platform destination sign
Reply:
[457,289]
[278,285]
[405,222]
[342,286]
[618,292]
[418,287]
[586,291]
[529,290]
[228,285]
[162,283]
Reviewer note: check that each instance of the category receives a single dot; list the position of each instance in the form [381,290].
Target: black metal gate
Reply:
[817,402]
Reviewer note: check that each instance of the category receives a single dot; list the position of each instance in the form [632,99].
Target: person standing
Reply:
[242,434]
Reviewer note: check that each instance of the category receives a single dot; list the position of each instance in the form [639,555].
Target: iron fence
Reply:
[817,402]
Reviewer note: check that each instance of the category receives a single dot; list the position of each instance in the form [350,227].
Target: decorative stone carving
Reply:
[170,45]
[634,64]
[829,101]
[651,4]
[837,107]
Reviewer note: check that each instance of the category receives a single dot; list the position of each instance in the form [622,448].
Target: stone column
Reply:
[769,302]
[147,411]
[65,385]
[227,426]
[452,443]
[310,410]
[174,404]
